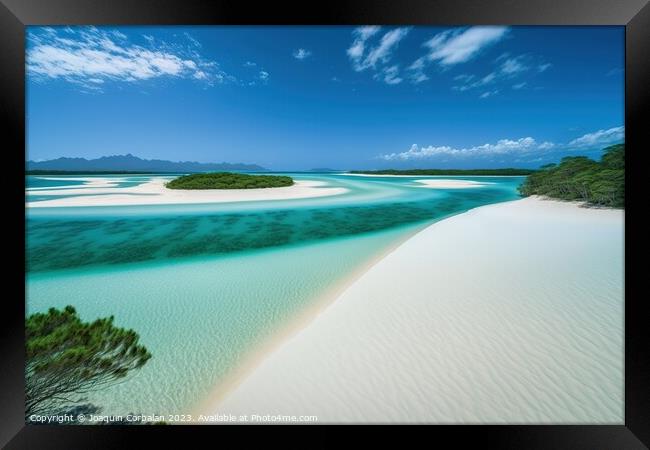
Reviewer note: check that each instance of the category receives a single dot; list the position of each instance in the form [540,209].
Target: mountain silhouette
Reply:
[130,163]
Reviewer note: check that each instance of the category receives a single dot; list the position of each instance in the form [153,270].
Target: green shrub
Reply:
[579,178]
[227,180]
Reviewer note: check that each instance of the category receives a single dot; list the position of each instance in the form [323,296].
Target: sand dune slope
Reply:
[510,313]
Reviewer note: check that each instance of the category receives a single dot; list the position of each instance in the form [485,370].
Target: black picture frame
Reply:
[16,14]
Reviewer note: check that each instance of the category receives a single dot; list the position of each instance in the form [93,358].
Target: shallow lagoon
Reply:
[206,285]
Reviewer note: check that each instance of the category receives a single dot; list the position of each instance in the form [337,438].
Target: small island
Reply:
[228,180]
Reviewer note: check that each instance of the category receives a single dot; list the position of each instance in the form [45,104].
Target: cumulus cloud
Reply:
[546,145]
[85,55]
[501,147]
[264,75]
[600,138]
[301,53]
[525,147]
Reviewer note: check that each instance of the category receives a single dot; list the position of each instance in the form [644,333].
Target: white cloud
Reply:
[600,138]
[416,70]
[380,54]
[504,146]
[417,64]
[471,82]
[390,75]
[250,64]
[192,40]
[418,77]
[301,53]
[453,47]
[487,79]
[513,65]
[489,93]
[264,75]
[356,50]
[84,55]
[464,77]
[509,69]
[388,43]
[522,147]
[544,67]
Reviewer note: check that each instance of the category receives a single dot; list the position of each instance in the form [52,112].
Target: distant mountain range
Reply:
[133,163]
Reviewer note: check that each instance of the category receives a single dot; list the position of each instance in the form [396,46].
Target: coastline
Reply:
[371,347]
[102,192]
[377,175]
[291,328]
[450,184]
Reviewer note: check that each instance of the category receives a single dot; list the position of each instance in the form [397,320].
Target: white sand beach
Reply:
[450,184]
[509,313]
[88,183]
[377,175]
[102,192]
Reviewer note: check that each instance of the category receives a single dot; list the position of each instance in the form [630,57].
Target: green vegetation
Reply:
[227,180]
[468,172]
[67,358]
[599,183]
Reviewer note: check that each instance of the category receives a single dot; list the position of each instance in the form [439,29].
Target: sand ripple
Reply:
[511,313]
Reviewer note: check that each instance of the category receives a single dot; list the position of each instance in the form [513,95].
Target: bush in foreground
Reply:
[67,358]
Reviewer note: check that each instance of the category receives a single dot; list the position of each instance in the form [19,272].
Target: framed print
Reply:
[360,214]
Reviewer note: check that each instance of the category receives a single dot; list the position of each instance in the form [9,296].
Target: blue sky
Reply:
[295,98]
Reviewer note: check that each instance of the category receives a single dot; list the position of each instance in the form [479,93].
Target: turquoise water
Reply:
[205,285]
[75,181]
[32,181]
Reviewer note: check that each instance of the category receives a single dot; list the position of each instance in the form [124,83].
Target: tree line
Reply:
[579,178]
[468,172]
